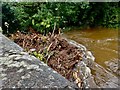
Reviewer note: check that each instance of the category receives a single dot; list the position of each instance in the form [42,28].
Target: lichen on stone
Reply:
[25,76]
[33,66]
[51,77]
[20,70]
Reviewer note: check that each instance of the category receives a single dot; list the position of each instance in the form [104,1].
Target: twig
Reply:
[54,30]
[49,46]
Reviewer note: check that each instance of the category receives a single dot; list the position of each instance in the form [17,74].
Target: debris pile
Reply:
[57,53]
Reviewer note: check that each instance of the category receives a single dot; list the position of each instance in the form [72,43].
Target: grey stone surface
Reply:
[103,78]
[18,69]
[113,66]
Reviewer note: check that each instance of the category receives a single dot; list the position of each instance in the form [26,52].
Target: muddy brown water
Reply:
[102,42]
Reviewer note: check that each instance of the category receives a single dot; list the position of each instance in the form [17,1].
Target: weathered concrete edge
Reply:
[21,70]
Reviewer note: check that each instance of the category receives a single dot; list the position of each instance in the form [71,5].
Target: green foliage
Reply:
[101,14]
[8,16]
[38,55]
[41,16]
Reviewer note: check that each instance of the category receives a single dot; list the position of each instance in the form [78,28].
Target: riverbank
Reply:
[70,59]
[64,56]
[103,43]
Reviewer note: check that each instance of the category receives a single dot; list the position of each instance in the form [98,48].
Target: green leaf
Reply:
[42,23]
[33,22]
[47,26]
[35,53]
[37,25]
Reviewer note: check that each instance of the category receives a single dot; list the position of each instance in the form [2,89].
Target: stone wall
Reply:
[18,69]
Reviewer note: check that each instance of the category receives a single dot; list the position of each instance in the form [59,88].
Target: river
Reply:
[103,43]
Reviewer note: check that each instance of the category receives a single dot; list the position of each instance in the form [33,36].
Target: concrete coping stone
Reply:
[18,69]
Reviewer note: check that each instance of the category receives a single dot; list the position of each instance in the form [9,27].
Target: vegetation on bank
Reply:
[42,16]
